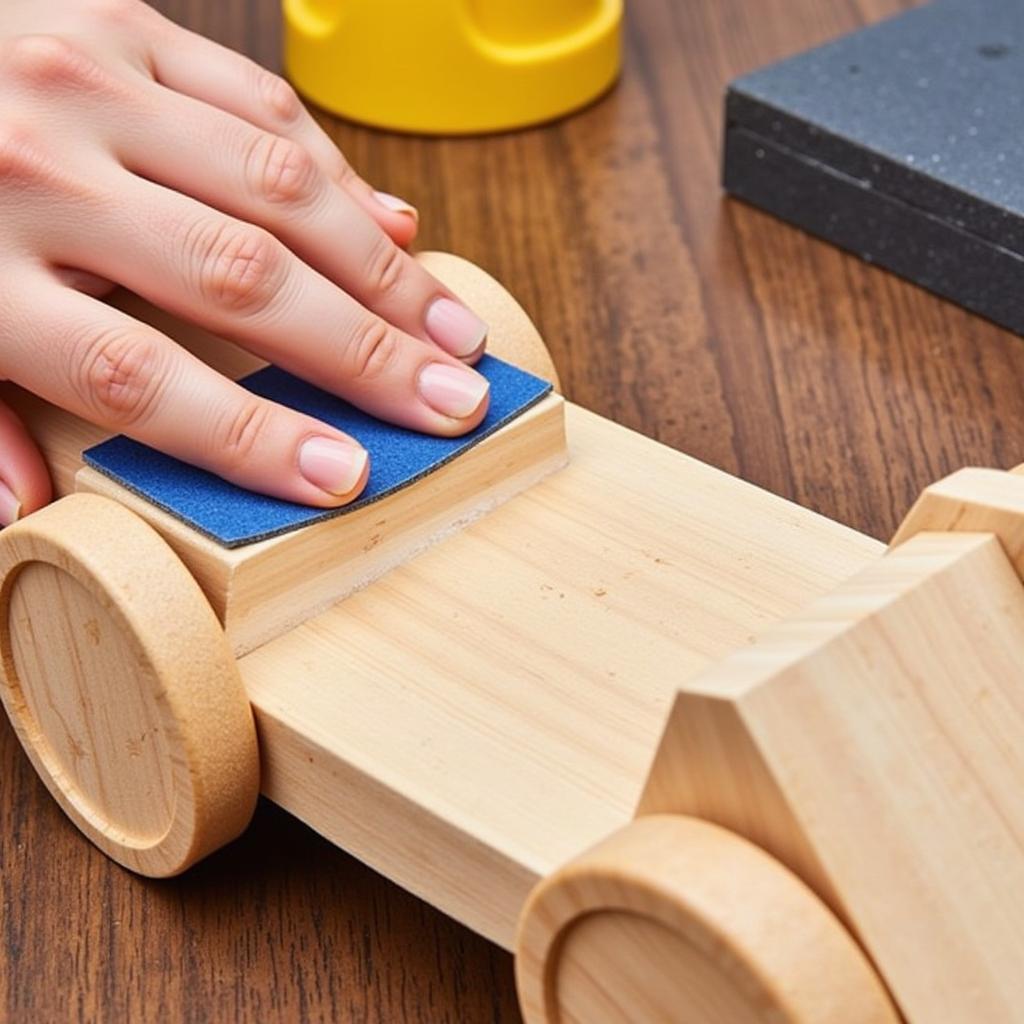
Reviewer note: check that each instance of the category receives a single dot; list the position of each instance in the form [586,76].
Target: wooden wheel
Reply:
[673,919]
[120,685]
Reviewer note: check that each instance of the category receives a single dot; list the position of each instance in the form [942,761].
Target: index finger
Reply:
[113,370]
[242,283]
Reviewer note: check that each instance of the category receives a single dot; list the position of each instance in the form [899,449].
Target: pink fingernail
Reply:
[10,507]
[333,466]
[456,329]
[396,204]
[454,391]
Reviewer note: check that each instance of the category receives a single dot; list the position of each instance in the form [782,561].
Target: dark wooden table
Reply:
[692,319]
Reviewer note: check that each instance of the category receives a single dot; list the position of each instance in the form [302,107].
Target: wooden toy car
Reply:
[693,752]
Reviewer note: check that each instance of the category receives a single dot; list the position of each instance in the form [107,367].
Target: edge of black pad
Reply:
[869,168]
[926,250]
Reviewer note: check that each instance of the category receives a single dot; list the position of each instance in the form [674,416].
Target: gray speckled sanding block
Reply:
[903,143]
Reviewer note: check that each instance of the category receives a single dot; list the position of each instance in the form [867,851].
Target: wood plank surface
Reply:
[690,318]
[516,725]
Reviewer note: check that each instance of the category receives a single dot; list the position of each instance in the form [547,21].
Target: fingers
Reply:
[81,281]
[125,376]
[272,181]
[197,67]
[24,480]
[240,282]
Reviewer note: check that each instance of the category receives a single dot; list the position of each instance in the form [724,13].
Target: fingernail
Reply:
[333,466]
[397,204]
[456,329]
[454,391]
[10,507]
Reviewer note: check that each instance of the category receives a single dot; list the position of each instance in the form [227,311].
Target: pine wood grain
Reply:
[121,685]
[513,723]
[894,682]
[672,912]
[261,590]
[695,320]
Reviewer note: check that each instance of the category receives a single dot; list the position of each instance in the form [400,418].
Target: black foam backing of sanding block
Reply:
[902,143]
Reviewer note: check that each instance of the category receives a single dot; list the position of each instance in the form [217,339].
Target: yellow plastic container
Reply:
[452,66]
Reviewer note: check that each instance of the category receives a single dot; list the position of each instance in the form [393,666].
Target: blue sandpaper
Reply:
[233,516]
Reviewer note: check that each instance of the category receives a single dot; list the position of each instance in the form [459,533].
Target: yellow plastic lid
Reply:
[452,66]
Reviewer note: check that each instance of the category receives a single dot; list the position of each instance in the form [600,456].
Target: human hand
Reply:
[133,152]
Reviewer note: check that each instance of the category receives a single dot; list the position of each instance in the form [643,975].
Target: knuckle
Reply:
[277,96]
[119,376]
[49,61]
[21,159]
[238,433]
[384,268]
[283,171]
[239,267]
[126,14]
[371,351]
[28,165]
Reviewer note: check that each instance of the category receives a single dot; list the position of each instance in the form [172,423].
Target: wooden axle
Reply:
[533,717]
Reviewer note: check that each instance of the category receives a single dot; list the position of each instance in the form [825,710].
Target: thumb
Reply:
[24,480]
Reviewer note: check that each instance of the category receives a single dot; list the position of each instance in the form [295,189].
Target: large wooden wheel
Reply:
[120,684]
[673,920]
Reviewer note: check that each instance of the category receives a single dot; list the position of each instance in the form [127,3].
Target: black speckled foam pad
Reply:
[904,143]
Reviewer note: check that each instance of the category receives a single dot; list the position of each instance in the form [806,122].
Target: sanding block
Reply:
[234,517]
[902,144]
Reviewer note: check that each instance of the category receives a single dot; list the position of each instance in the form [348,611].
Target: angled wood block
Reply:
[973,500]
[874,743]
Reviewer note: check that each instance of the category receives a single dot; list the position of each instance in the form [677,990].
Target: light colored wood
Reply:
[121,687]
[486,711]
[489,708]
[673,919]
[261,590]
[972,500]
[874,743]
[264,589]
